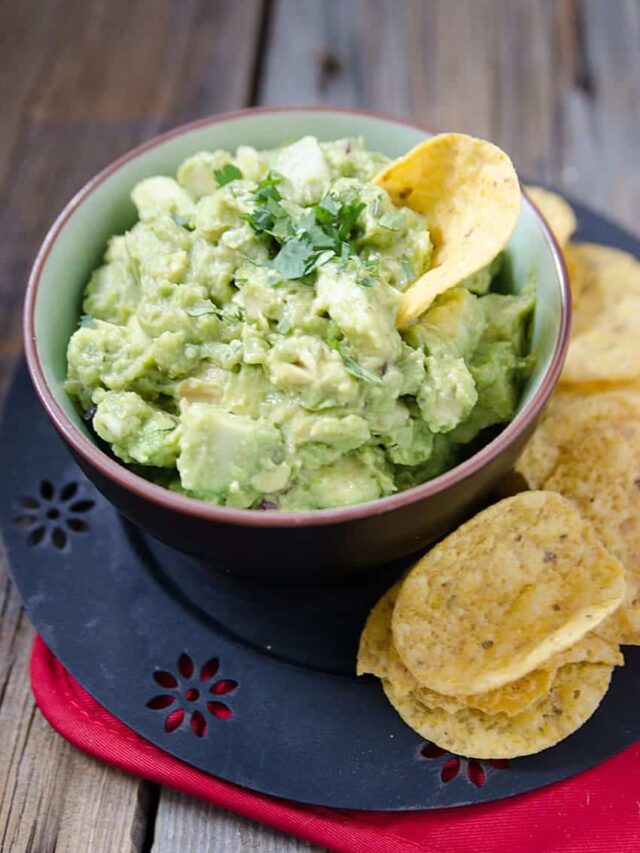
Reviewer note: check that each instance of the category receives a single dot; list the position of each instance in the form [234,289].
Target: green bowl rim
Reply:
[168,500]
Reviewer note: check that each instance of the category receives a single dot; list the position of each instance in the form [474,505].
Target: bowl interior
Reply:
[104,208]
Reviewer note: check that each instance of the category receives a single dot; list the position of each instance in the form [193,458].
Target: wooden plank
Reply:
[185,824]
[554,83]
[602,110]
[53,797]
[82,82]
[487,67]
[344,54]
[79,112]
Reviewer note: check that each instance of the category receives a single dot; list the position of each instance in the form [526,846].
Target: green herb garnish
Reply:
[226,174]
[202,309]
[351,365]
[325,231]
[407,268]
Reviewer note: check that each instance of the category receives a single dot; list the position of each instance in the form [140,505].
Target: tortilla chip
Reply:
[557,213]
[470,193]
[575,694]
[588,449]
[590,649]
[578,273]
[523,580]
[609,350]
[511,698]
[373,651]
[398,674]
[606,322]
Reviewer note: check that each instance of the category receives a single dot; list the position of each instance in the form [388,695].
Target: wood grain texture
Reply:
[183,824]
[53,797]
[555,82]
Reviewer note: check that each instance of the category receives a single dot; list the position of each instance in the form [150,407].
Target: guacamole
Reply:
[238,343]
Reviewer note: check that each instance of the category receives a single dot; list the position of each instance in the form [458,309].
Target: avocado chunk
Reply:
[232,457]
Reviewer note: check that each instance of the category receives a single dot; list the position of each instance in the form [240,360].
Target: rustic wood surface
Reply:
[555,82]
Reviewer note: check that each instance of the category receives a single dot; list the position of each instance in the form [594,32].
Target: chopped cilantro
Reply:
[268,188]
[297,249]
[407,268]
[358,371]
[351,365]
[226,174]
[348,216]
[202,309]
[326,210]
[367,281]
[292,259]
[207,308]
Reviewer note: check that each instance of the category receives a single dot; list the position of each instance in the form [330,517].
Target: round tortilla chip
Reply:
[470,193]
[378,656]
[523,580]
[606,317]
[376,653]
[557,213]
[373,651]
[575,694]
[608,351]
[578,273]
[510,699]
[590,649]
[568,421]
[397,673]
[588,449]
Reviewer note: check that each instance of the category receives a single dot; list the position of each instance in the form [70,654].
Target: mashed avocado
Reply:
[239,341]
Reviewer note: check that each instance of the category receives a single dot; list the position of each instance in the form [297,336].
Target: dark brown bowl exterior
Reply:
[305,544]
[372,540]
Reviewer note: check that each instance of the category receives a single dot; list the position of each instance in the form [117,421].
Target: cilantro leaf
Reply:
[326,210]
[268,188]
[348,216]
[292,259]
[351,365]
[226,174]
[323,232]
[407,268]
[322,258]
[358,370]
[201,309]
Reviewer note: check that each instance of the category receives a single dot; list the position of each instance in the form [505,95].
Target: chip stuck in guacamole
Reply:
[239,342]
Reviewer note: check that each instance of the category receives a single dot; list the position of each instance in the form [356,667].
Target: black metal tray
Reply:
[251,681]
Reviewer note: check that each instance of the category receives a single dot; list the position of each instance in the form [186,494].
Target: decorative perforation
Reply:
[52,516]
[190,695]
[453,765]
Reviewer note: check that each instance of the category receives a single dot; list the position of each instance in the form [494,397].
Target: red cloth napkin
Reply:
[598,810]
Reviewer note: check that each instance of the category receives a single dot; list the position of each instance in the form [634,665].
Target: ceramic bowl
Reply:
[273,543]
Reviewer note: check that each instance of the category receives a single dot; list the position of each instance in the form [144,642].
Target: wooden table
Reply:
[81,81]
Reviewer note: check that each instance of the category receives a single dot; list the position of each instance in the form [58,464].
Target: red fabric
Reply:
[598,810]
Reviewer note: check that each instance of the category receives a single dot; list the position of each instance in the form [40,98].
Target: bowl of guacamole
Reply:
[211,326]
